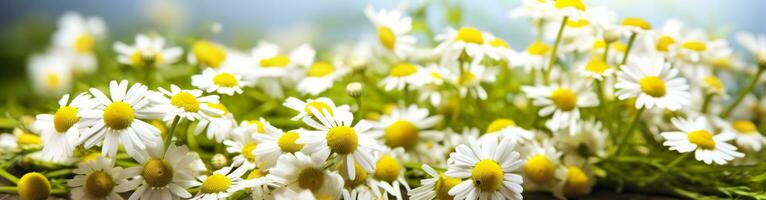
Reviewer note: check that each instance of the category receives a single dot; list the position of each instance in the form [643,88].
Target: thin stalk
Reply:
[358,115]
[8,176]
[606,52]
[555,47]
[57,173]
[9,189]
[743,93]
[626,136]
[169,134]
[706,103]
[668,166]
[627,50]
[539,25]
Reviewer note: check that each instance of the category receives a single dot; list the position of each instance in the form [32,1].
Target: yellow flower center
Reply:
[141,58]
[470,35]
[401,134]
[215,183]
[694,45]
[538,48]
[260,128]
[279,60]
[745,127]
[320,69]
[497,42]
[319,106]
[157,173]
[663,44]
[500,124]
[28,139]
[90,157]
[653,86]
[52,80]
[576,183]
[713,83]
[219,106]
[467,79]
[224,79]
[256,173]
[620,47]
[342,140]
[311,178]
[386,37]
[564,99]
[577,24]
[487,175]
[637,22]
[118,115]
[360,176]
[287,143]
[387,168]
[99,184]
[209,53]
[33,186]
[539,169]
[185,100]
[599,44]
[65,118]
[84,43]
[702,138]
[247,151]
[403,69]
[596,66]
[443,186]
[577,4]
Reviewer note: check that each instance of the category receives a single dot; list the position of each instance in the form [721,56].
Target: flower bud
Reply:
[611,36]
[354,89]
[219,161]
[33,186]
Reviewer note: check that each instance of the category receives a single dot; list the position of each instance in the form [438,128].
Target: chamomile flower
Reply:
[273,143]
[755,44]
[498,48]
[431,91]
[304,107]
[635,25]
[435,187]
[533,58]
[77,35]
[748,138]
[272,62]
[540,163]
[222,183]
[389,173]
[243,142]
[219,81]
[503,127]
[407,127]
[185,104]
[61,130]
[217,125]
[393,30]
[148,51]
[596,69]
[574,182]
[573,9]
[320,77]
[487,169]
[118,119]
[20,140]
[50,73]
[468,43]
[587,141]
[469,81]
[299,172]
[563,101]
[335,134]
[534,9]
[208,54]
[165,175]
[696,135]
[653,82]
[99,179]
[404,76]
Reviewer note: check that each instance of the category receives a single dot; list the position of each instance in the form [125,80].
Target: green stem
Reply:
[668,166]
[555,48]
[627,50]
[9,189]
[59,191]
[743,93]
[169,134]
[606,52]
[358,116]
[125,164]
[8,176]
[539,25]
[57,173]
[626,136]
[706,103]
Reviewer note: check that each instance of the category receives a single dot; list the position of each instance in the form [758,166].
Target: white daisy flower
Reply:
[186,104]
[498,49]
[404,76]
[534,9]
[435,187]
[408,128]
[596,69]
[208,54]
[573,9]
[564,101]
[148,51]
[320,104]
[50,73]
[61,130]
[217,125]
[219,81]
[469,81]
[533,58]
[271,62]
[698,136]
[487,169]
[653,82]
[77,35]
[574,182]
[389,173]
[244,143]
[20,140]
[361,192]
[299,172]
[274,143]
[587,141]
[222,183]
[503,127]
[393,30]
[540,163]
[165,175]
[431,91]
[118,119]
[454,43]
[320,77]
[336,135]
[755,44]
[99,179]
[748,138]
[634,25]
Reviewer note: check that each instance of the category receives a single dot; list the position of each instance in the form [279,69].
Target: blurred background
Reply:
[26,26]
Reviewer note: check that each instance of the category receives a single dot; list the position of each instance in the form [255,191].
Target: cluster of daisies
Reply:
[588,89]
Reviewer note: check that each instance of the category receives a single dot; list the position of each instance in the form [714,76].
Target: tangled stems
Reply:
[665,169]
[626,136]
[555,49]
[169,134]
[743,93]
[8,176]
